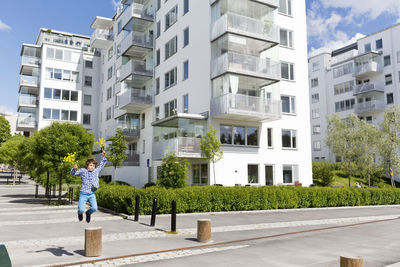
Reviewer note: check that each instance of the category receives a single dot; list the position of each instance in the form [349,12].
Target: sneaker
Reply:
[80,216]
[87,217]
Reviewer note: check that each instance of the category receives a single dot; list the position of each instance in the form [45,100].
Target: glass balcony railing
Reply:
[247,65]
[245,26]
[369,106]
[139,39]
[134,97]
[368,87]
[26,120]
[31,81]
[247,107]
[133,158]
[187,147]
[136,67]
[367,67]
[28,60]
[101,38]
[27,100]
[273,3]
[136,10]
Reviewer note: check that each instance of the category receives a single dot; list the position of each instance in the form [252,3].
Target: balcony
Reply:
[245,26]
[27,101]
[29,82]
[271,3]
[137,45]
[244,107]
[144,16]
[246,65]
[135,100]
[367,64]
[28,63]
[368,88]
[185,147]
[369,106]
[101,38]
[26,122]
[137,68]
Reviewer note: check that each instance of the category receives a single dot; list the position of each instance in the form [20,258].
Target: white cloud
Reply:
[4,27]
[341,41]
[7,110]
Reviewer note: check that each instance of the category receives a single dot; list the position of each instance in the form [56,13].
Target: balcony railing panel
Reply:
[249,107]
[187,147]
[245,64]
[27,100]
[133,158]
[273,3]
[101,38]
[368,67]
[26,80]
[246,26]
[136,10]
[139,39]
[136,67]
[369,106]
[26,120]
[366,88]
[135,96]
[28,60]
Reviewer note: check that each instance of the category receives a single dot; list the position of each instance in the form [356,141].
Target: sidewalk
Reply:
[40,235]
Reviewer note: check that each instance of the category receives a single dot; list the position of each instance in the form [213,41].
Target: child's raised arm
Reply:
[102,162]
[75,171]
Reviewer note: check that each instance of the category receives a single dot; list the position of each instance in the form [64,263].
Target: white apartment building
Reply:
[169,69]
[361,78]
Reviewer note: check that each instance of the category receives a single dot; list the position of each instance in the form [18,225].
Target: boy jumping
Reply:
[90,183]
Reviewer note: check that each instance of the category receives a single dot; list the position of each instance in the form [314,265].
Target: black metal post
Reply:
[36,191]
[54,190]
[72,195]
[7,179]
[153,212]
[173,216]
[19,179]
[137,199]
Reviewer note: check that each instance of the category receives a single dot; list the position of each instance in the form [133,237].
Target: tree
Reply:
[11,153]
[211,147]
[116,150]
[51,145]
[390,141]
[5,131]
[174,172]
[322,172]
[344,138]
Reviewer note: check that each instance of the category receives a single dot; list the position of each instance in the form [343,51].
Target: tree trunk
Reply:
[59,189]
[215,179]
[115,171]
[369,177]
[47,184]
[349,174]
[15,176]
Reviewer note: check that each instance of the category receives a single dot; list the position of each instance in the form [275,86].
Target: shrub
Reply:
[322,171]
[174,172]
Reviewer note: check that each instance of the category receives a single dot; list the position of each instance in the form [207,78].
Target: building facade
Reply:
[362,79]
[163,78]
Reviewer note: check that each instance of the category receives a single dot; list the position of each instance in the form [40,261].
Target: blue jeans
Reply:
[83,198]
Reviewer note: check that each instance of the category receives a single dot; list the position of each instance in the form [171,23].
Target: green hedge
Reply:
[121,198]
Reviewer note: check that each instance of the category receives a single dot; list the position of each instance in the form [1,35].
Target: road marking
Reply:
[44,222]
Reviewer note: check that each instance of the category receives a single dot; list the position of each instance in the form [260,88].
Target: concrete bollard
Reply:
[93,242]
[204,230]
[351,261]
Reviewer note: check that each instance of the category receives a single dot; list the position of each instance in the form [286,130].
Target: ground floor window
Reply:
[200,174]
[290,174]
[252,173]
[269,175]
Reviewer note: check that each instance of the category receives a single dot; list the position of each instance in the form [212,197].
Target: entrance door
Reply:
[269,175]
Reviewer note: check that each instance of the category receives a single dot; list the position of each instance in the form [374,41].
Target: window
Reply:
[158,30]
[158,4]
[88,81]
[57,94]
[315,66]
[367,47]
[171,17]
[315,113]
[269,141]
[185,70]
[185,37]
[86,119]
[73,115]
[65,95]
[74,96]
[316,129]
[239,135]
[269,174]
[287,71]
[343,70]
[389,98]
[252,173]
[158,57]
[110,52]
[50,52]
[144,146]
[379,44]
[59,74]
[317,145]
[285,7]
[109,93]
[286,38]
[108,114]
[170,78]
[109,72]
[288,104]
[47,92]
[157,86]
[342,88]
[64,115]
[157,113]
[388,79]
[314,82]
[386,60]
[186,104]
[143,121]
[55,114]
[289,138]
[200,174]
[170,108]
[87,100]
[68,56]
[59,54]
[344,105]
[185,6]
[46,113]
[171,47]
[66,75]
[315,98]
[398,56]
[289,173]
[88,64]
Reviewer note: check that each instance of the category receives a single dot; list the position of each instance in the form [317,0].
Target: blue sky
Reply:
[331,24]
